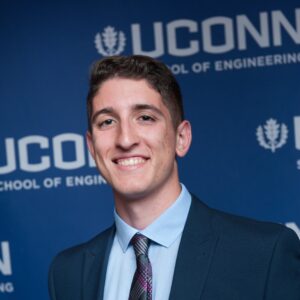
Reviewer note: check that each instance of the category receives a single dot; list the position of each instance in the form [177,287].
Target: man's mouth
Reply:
[131,161]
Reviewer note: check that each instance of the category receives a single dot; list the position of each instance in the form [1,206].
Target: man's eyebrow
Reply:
[148,107]
[137,107]
[103,111]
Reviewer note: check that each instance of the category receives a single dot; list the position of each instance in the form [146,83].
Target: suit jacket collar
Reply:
[192,265]
[95,265]
[195,253]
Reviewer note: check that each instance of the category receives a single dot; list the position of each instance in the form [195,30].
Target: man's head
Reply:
[135,134]
[137,67]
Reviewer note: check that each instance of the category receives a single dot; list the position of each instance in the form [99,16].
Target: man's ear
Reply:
[89,141]
[183,138]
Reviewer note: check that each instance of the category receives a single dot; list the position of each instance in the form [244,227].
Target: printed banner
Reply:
[239,67]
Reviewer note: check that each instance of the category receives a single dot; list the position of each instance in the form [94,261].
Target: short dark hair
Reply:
[137,67]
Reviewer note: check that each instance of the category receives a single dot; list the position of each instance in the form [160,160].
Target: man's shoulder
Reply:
[93,246]
[232,226]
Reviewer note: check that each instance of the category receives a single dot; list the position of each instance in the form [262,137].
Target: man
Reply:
[165,243]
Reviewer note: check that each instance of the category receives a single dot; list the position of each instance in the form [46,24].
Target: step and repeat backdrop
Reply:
[238,64]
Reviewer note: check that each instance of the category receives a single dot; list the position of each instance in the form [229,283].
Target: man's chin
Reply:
[130,193]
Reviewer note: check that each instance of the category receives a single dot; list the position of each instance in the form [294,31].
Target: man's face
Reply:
[133,140]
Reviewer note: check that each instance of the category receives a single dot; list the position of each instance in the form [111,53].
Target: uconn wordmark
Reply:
[5,268]
[25,151]
[5,262]
[267,31]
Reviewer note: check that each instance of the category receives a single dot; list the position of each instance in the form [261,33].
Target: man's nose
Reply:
[127,136]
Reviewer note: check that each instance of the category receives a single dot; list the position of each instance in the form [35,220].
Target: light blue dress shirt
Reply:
[165,233]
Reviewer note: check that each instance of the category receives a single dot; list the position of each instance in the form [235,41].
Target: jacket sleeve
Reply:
[51,282]
[283,281]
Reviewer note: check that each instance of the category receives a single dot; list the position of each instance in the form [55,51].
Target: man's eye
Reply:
[146,118]
[106,123]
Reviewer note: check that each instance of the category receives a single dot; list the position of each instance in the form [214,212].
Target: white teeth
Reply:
[131,161]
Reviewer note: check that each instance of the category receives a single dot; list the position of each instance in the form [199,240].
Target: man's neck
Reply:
[139,212]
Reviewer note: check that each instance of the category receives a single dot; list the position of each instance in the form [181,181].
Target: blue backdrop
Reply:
[238,66]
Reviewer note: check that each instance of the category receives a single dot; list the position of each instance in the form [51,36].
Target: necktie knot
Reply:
[140,244]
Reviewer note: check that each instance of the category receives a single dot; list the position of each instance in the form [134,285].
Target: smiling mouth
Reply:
[132,161]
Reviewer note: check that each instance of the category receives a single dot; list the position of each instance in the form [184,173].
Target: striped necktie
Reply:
[141,287]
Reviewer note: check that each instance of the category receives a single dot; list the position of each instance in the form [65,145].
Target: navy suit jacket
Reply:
[221,257]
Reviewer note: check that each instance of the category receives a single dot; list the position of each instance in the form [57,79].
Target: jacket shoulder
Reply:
[233,226]
[268,254]
[70,268]
[69,258]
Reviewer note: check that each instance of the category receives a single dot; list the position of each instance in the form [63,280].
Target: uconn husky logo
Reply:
[272,135]
[110,42]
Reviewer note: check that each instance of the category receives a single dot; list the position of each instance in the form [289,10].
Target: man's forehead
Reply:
[129,93]
[119,81]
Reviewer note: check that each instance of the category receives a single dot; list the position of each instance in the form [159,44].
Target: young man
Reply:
[165,243]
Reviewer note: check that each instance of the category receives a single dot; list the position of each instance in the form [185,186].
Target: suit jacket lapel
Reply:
[194,255]
[95,265]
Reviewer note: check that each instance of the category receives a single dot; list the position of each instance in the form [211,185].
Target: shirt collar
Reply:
[165,229]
